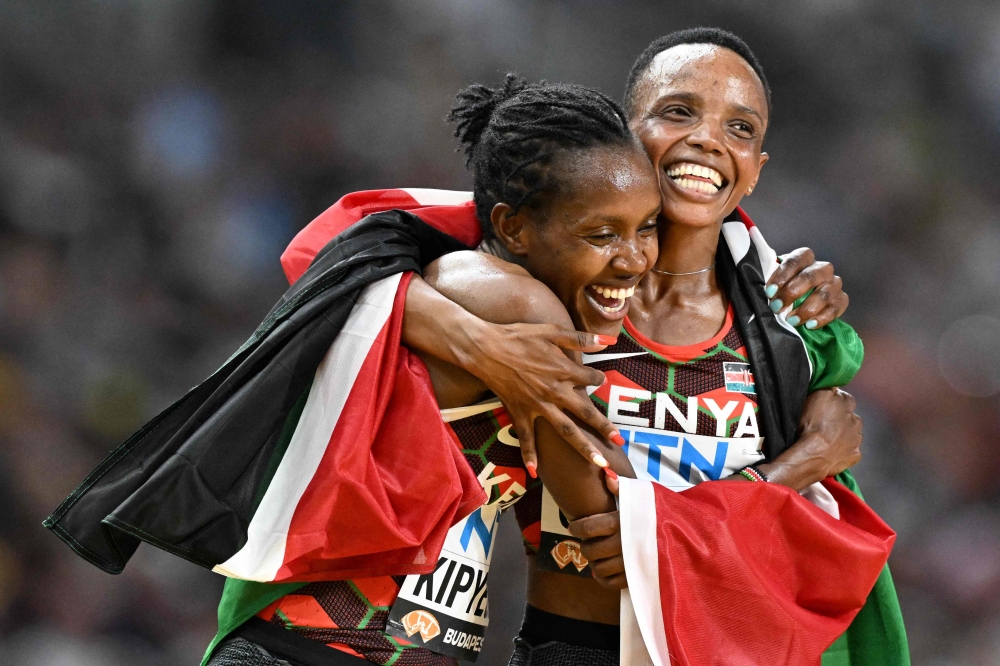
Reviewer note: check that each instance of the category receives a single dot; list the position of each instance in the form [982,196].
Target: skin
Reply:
[600,232]
[700,105]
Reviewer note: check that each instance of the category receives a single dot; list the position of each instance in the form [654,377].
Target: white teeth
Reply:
[697,185]
[688,169]
[617,294]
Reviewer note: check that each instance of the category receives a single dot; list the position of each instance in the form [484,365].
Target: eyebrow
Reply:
[748,110]
[690,97]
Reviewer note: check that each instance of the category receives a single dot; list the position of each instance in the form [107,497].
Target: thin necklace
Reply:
[678,274]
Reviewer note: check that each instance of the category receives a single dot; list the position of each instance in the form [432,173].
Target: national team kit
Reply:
[284,472]
[688,414]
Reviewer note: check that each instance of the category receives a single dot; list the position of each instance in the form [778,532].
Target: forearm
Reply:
[577,484]
[798,467]
[438,326]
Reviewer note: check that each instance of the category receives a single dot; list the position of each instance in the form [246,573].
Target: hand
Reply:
[524,365]
[601,543]
[798,273]
[830,436]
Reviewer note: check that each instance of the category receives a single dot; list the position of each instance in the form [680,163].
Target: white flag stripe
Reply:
[636,500]
[262,556]
[632,649]
[430,197]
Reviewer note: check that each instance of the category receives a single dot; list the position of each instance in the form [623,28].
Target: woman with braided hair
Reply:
[568,204]
[580,171]
[699,102]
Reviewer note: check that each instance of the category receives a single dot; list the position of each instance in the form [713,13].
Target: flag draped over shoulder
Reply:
[316,452]
[876,637]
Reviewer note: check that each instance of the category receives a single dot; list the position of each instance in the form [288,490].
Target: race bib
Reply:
[676,460]
[447,610]
[558,550]
[681,460]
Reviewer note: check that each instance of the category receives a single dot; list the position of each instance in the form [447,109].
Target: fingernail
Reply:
[531,470]
[611,473]
[606,339]
[771,290]
[617,438]
[794,320]
[605,380]
[599,460]
[812,323]
[775,305]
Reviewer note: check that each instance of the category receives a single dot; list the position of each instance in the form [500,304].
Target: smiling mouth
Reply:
[696,178]
[611,301]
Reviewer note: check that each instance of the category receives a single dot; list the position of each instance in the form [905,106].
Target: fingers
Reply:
[585,410]
[602,549]
[608,568]
[526,437]
[579,340]
[821,306]
[596,526]
[791,265]
[617,582]
[611,481]
[575,437]
[815,277]
[851,401]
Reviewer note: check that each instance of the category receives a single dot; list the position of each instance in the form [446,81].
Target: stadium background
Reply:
[155,157]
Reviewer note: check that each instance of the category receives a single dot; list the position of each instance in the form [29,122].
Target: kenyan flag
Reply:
[316,452]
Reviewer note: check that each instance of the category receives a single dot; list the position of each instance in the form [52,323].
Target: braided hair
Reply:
[511,135]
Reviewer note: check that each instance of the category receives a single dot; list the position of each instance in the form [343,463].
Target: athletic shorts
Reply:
[552,640]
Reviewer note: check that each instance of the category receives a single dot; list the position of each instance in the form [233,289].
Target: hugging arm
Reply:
[526,366]
[829,442]
[799,273]
[509,331]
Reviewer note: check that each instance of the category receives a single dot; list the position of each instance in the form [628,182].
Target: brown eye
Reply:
[744,128]
[676,110]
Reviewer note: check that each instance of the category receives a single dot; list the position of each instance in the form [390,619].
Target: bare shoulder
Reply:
[495,290]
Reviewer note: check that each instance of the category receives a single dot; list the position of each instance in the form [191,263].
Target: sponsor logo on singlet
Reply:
[423,623]
[453,598]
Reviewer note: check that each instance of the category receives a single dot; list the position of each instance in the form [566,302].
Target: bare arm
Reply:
[829,442]
[464,313]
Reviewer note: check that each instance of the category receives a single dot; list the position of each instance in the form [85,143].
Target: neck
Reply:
[493,246]
[685,249]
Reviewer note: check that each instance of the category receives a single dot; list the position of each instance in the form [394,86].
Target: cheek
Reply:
[747,162]
[651,249]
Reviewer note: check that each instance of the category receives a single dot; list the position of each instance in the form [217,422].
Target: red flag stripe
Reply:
[264,552]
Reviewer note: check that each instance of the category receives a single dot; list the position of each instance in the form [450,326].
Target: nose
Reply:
[630,259]
[707,136]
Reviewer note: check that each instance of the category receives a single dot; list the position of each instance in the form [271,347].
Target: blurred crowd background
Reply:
[156,157]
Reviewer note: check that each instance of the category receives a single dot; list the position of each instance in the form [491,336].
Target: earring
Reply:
[750,190]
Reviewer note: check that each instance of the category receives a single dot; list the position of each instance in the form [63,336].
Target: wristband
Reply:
[751,473]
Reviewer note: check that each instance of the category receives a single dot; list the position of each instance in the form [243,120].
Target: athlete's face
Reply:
[592,242]
[701,113]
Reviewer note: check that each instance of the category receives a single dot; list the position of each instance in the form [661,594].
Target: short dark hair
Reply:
[716,36]
[511,134]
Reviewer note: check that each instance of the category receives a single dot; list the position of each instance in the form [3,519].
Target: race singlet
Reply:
[447,610]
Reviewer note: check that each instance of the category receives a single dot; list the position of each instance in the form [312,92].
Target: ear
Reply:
[763,160]
[509,229]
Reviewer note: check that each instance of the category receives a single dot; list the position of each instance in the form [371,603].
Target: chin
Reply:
[692,214]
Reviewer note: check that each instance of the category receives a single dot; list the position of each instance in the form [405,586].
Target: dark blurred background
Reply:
[156,157]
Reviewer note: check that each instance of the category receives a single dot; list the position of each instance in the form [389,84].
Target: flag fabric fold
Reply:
[739,573]
[316,452]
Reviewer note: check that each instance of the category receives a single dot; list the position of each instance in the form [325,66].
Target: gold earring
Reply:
[750,190]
